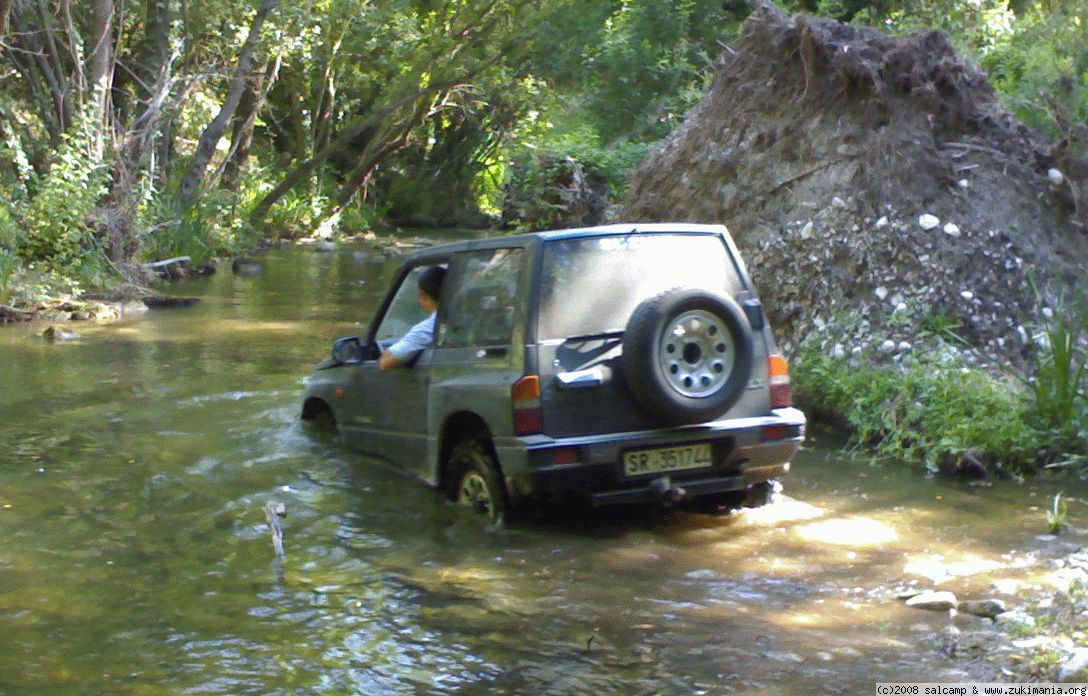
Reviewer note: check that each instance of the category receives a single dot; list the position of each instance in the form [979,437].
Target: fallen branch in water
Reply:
[273,511]
[156,265]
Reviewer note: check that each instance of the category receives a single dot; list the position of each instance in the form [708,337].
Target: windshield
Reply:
[591,286]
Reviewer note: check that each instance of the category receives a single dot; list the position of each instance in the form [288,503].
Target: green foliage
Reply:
[9,240]
[1057,515]
[1059,383]
[931,407]
[59,219]
[1043,53]
[215,226]
[572,160]
[647,53]
[928,410]
[944,327]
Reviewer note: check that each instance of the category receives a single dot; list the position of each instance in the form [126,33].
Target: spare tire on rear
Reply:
[687,355]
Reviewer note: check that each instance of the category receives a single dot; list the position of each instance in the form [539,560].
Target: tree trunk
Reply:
[155,48]
[253,100]
[215,130]
[99,50]
[37,59]
[5,9]
[119,220]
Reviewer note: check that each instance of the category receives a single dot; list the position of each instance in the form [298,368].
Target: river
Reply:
[135,462]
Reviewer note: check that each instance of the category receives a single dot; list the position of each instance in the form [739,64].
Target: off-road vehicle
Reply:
[625,363]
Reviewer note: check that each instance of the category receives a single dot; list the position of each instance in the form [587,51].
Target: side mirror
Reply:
[348,350]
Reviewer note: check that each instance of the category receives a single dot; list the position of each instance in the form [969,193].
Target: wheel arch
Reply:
[458,426]
[315,408]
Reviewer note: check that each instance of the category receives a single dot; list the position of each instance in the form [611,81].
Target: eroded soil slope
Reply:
[821,146]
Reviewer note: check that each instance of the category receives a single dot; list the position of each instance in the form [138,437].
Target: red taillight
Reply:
[565,455]
[778,371]
[526,397]
[776,432]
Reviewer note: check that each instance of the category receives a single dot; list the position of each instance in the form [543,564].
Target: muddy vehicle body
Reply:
[624,363]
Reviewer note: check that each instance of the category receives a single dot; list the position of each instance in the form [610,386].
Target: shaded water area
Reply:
[135,462]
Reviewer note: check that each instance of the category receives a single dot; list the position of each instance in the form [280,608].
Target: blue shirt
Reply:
[418,337]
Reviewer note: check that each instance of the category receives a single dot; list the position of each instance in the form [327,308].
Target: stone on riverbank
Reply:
[1015,617]
[933,600]
[1074,666]
[987,608]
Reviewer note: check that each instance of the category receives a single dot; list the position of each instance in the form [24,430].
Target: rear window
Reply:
[591,286]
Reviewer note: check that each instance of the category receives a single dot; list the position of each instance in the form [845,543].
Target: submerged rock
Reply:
[161,301]
[247,267]
[56,335]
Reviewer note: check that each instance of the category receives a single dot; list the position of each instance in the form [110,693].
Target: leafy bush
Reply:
[61,210]
[928,410]
[568,178]
[215,225]
[8,248]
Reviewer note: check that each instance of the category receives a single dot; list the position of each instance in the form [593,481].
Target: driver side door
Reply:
[390,408]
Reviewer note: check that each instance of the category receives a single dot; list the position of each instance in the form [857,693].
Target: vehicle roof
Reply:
[576,233]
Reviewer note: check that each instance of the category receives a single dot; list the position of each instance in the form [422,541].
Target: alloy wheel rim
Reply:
[696,354]
[474,492]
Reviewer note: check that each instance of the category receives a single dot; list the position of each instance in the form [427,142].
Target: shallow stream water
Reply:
[135,462]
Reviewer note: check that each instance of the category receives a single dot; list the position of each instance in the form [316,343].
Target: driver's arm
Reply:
[401,353]
[388,361]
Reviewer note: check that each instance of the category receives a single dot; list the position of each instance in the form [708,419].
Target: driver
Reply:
[421,335]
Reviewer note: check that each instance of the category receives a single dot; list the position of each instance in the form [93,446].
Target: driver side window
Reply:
[404,311]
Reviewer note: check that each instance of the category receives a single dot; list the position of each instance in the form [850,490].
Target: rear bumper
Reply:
[744,451]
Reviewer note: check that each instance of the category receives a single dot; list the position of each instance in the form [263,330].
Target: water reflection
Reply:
[135,463]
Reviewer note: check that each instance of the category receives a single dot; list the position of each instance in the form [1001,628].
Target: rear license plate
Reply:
[661,459]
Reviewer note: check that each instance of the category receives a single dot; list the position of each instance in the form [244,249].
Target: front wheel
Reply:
[476,480]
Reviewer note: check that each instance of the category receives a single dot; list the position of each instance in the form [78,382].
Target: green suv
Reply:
[625,363]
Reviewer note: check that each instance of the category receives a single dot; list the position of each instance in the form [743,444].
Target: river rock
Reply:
[59,335]
[1074,666]
[247,267]
[1016,617]
[933,600]
[988,608]
[131,307]
[952,229]
[159,301]
[927,221]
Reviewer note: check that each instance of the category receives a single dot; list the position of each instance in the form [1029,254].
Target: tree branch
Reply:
[215,130]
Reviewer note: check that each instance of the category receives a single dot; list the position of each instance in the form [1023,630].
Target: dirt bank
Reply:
[822,146]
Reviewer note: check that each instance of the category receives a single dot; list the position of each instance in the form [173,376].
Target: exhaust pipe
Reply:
[664,491]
